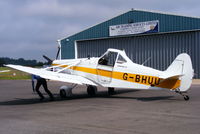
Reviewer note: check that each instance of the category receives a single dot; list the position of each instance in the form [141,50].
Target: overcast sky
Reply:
[30,28]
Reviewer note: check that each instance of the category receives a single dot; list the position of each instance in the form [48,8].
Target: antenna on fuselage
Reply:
[88,56]
[146,60]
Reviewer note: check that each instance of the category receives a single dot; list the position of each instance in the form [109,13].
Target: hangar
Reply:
[148,37]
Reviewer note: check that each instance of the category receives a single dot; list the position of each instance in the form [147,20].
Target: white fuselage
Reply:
[121,75]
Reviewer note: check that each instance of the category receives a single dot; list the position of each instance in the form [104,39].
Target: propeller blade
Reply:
[58,53]
[48,59]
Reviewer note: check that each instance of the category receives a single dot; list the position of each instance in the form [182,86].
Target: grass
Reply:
[13,74]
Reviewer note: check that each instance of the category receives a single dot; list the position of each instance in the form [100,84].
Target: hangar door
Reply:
[157,50]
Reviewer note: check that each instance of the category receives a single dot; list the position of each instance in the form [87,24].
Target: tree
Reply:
[2,62]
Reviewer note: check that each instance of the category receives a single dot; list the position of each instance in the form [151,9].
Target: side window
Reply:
[108,59]
[121,60]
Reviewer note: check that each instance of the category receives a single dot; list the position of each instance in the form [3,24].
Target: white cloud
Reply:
[55,8]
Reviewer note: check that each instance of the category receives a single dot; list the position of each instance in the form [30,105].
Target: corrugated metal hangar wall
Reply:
[160,49]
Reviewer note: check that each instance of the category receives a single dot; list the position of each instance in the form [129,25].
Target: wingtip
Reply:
[5,65]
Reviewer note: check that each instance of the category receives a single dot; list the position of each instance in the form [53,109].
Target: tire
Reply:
[91,90]
[111,91]
[186,98]
[62,93]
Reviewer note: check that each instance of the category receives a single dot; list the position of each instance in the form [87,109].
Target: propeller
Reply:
[49,61]
[58,52]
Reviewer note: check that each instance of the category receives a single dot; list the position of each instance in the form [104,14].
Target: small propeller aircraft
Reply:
[115,70]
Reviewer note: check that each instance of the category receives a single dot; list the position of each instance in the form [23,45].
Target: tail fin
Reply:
[182,66]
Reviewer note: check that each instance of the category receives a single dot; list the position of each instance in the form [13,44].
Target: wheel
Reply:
[65,91]
[91,90]
[111,91]
[62,93]
[186,97]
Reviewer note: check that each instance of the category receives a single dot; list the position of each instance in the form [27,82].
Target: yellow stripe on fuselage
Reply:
[135,78]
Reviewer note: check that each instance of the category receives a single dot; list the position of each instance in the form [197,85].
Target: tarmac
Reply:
[126,112]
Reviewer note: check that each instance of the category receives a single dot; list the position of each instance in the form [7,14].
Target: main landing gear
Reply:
[111,91]
[184,94]
[91,90]
[66,91]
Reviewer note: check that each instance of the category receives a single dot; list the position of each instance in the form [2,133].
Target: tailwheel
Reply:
[185,96]
[91,90]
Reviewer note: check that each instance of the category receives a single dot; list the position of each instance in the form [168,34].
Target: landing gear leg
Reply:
[91,90]
[111,91]
[185,96]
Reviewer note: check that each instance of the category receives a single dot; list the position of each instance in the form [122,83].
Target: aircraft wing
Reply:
[54,75]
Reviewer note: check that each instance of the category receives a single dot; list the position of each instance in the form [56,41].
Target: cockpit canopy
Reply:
[112,56]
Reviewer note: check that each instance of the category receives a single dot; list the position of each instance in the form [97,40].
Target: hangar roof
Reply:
[167,23]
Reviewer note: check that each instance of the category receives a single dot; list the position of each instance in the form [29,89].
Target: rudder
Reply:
[182,65]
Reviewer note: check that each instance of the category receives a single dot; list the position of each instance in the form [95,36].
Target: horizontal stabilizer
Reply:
[171,79]
[171,76]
